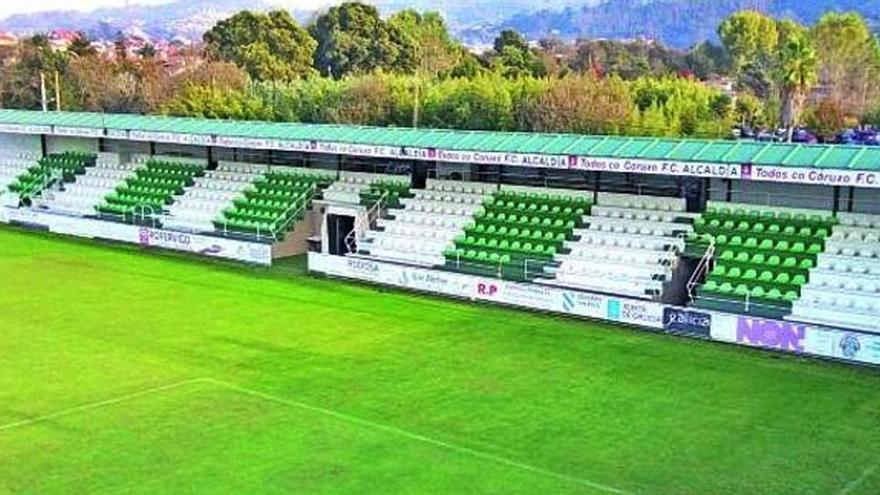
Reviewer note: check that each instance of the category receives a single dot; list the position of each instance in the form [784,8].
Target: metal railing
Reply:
[364,223]
[279,225]
[703,267]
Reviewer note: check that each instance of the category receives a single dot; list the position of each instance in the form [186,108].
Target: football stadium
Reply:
[242,307]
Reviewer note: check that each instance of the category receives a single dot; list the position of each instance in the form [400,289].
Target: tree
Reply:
[270,47]
[513,58]
[751,39]
[582,104]
[81,46]
[826,118]
[749,36]
[707,59]
[748,110]
[797,73]
[849,59]
[147,51]
[353,39]
[436,52]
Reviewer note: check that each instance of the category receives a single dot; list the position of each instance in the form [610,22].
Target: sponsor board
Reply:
[78,131]
[632,312]
[678,320]
[204,245]
[25,129]
[797,338]
[532,296]
[656,167]
[819,177]
[171,137]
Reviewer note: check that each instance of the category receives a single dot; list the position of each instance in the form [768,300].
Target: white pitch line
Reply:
[852,485]
[420,438]
[96,405]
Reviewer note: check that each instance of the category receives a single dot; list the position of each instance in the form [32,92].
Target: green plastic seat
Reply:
[725,288]
[765,276]
[750,274]
[798,248]
[799,279]
[773,260]
[766,245]
[814,249]
[790,296]
[711,286]
[758,292]
[734,272]
[743,257]
[806,264]
[782,278]
[790,262]
[758,259]
[741,290]
[719,271]
[773,294]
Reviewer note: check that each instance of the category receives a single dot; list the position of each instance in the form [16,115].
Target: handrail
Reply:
[702,268]
[294,209]
[364,223]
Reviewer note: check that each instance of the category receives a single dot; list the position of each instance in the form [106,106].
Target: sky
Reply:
[9,7]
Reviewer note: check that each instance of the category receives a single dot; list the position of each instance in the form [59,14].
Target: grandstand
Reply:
[631,230]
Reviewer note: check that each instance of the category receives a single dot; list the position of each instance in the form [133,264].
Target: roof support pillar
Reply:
[212,164]
[44,146]
[851,200]
[152,148]
[728,190]
[836,199]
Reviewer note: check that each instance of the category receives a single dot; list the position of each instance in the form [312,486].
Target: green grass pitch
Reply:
[130,372]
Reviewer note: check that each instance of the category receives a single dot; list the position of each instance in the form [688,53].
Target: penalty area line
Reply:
[98,405]
[852,485]
[420,438]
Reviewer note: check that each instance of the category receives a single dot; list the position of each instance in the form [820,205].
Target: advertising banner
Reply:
[711,170]
[251,252]
[25,129]
[679,320]
[532,296]
[171,137]
[78,131]
[817,177]
[635,312]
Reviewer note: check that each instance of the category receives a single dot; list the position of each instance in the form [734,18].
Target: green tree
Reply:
[81,46]
[436,52]
[797,73]
[749,36]
[353,39]
[826,118]
[513,58]
[751,39]
[270,47]
[849,59]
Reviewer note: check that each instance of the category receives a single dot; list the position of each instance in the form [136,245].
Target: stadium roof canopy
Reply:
[840,157]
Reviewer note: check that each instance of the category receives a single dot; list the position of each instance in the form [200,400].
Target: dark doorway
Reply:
[338,228]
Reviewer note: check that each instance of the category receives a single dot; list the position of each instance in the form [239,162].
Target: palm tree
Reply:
[798,72]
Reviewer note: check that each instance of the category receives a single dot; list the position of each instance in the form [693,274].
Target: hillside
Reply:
[679,23]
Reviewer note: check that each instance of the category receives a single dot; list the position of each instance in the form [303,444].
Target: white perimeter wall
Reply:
[58,144]
[15,144]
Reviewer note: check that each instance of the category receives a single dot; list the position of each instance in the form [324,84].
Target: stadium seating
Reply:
[270,207]
[423,225]
[629,246]
[200,205]
[518,232]
[844,287]
[392,190]
[152,187]
[352,185]
[763,255]
[88,190]
[12,167]
[51,170]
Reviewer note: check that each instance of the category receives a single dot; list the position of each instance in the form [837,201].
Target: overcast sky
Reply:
[9,7]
